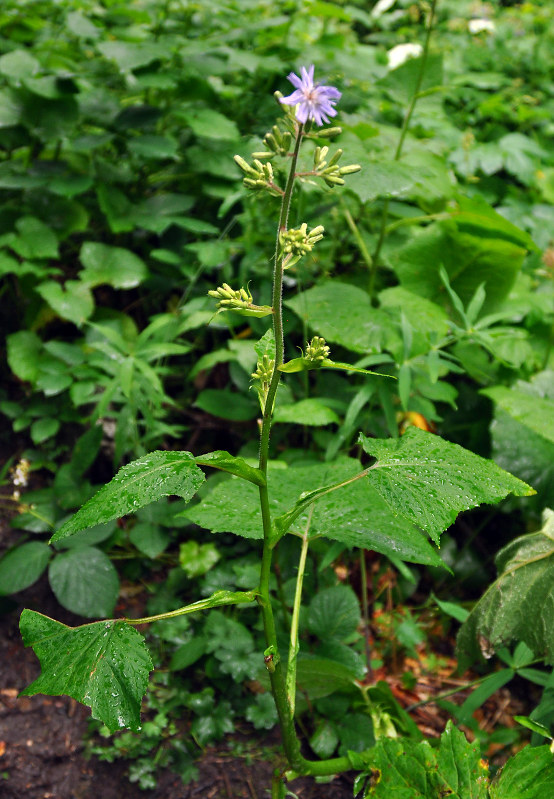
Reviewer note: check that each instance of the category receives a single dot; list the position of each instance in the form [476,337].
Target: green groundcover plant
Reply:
[396,499]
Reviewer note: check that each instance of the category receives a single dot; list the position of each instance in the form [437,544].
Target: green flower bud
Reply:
[317,350]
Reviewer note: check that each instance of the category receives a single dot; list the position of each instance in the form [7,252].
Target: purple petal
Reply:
[303,113]
[294,98]
[295,80]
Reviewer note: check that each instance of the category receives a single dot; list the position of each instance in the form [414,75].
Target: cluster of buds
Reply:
[329,170]
[240,301]
[262,376]
[317,350]
[277,142]
[296,242]
[230,299]
[258,176]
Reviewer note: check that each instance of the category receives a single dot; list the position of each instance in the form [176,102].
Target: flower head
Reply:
[313,101]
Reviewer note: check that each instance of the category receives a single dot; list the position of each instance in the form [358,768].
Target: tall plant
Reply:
[407,491]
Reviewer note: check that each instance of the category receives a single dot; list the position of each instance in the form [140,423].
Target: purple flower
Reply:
[313,101]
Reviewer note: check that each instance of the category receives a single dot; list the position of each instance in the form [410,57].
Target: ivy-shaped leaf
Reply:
[524,590]
[430,481]
[159,474]
[104,665]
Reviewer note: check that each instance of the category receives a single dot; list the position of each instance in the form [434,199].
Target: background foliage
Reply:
[121,206]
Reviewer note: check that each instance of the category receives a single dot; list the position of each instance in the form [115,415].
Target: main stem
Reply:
[277,671]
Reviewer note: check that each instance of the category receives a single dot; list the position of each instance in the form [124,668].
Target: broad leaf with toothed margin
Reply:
[159,474]
[355,515]
[430,481]
[104,665]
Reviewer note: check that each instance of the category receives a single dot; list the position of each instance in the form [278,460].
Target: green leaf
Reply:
[210,124]
[156,147]
[73,301]
[226,404]
[104,665]
[36,240]
[148,538]
[220,459]
[343,314]
[540,729]
[461,773]
[319,677]
[18,65]
[188,653]
[409,770]
[307,412]
[524,590]
[305,365]
[116,266]
[197,559]
[325,740]
[383,179]
[10,109]
[476,245]
[430,481]
[22,566]
[84,581]
[490,685]
[24,348]
[527,775]
[334,613]
[263,713]
[43,429]
[355,515]
[131,55]
[159,474]
[521,445]
[532,411]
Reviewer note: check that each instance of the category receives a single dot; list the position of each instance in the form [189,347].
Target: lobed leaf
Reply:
[104,665]
[430,481]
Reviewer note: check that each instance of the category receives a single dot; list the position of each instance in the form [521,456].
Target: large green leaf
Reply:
[476,245]
[24,349]
[334,613]
[309,411]
[318,677]
[116,266]
[343,314]
[22,566]
[73,301]
[159,474]
[404,769]
[355,515]
[523,592]
[104,665]
[430,481]
[529,409]
[527,775]
[85,581]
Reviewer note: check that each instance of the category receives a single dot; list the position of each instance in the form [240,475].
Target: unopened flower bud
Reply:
[317,350]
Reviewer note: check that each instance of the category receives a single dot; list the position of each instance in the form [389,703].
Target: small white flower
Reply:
[479,25]
[381,7]
[399,54]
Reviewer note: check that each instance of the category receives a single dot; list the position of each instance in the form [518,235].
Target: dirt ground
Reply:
[41,740]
